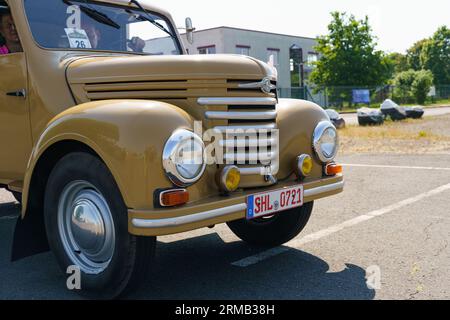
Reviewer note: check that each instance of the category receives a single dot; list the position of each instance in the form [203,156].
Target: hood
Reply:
[161,77]
[110,69]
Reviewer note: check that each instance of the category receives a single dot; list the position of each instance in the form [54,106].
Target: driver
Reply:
[94,34]
[9,38]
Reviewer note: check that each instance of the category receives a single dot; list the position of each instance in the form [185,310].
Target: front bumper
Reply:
[217,210]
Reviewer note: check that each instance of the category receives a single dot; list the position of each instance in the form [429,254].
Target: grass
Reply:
[390,130]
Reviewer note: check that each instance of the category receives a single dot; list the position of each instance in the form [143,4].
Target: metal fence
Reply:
[342,97]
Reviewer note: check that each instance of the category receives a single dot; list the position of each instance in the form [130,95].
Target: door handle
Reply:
[21,93]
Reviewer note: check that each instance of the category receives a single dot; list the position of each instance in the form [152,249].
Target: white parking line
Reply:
[8,218]
[395,167]
[297,243]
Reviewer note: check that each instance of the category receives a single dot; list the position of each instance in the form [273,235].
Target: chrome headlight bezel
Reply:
[321,129]
[171,148]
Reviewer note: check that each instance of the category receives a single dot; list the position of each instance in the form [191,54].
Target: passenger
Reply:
[9,38]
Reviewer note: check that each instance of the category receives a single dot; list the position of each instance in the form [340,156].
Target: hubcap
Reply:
[86,227]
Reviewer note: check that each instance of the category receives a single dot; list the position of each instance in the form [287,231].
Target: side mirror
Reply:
[189,31]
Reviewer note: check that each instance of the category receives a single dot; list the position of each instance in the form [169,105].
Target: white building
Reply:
[291,54]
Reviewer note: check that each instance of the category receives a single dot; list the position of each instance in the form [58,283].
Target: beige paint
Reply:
[139,101]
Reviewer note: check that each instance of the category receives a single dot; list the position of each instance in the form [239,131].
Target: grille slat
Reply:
[247,140]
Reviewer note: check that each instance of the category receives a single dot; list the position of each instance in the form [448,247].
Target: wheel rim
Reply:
[86,227]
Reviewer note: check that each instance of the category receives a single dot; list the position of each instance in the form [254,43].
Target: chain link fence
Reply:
[341,97]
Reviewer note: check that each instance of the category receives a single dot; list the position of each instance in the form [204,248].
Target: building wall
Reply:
[225,40]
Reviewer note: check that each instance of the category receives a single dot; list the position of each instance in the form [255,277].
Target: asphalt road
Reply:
[352,118]
[393,220]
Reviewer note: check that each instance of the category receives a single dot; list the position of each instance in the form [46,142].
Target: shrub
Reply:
[413,86]
[421,85]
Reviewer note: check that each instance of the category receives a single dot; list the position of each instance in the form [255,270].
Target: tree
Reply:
[436,56]
[413,85]
[397,63]
[348,55]
[414,54]
[421,85]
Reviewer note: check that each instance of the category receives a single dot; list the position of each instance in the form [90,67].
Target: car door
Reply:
[15,130]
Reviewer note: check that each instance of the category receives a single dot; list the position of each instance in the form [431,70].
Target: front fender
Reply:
[297,120]
[128,135]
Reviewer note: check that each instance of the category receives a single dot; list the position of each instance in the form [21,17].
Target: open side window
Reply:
[9,37]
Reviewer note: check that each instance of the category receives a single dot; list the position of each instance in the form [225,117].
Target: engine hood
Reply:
[113,69]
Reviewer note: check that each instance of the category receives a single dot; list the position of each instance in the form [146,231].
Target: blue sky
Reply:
[396,23]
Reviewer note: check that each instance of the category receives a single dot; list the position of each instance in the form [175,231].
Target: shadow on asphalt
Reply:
[196,268]
[9,209]
[200,268]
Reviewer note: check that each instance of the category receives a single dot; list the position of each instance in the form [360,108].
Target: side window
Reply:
[207,50]
[9,38]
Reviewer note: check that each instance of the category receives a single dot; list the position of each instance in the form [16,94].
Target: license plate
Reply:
[268,203]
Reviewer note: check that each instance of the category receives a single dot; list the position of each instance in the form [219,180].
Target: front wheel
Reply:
[275,230]
[87,227]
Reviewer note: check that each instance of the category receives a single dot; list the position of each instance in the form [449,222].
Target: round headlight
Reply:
[325,141]
[184,158]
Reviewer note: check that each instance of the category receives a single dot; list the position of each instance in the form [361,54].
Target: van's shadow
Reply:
[200,268]
[9,209]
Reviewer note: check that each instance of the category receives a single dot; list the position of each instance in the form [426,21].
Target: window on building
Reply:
[207,50]
[312,58]
[244,50]
[273,54]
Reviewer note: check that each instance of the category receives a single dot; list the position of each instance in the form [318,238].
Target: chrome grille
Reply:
[252,152]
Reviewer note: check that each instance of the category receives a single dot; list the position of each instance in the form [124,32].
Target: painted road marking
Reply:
[8,217]
[395,167]
[297,243]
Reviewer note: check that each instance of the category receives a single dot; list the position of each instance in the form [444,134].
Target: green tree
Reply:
[413,86]
[397,63]
[414,54]
[436,56]
[421,85]
[348,55]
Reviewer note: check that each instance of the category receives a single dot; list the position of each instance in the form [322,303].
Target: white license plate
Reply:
[268,203]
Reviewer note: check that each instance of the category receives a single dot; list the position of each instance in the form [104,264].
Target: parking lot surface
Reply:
[390,226]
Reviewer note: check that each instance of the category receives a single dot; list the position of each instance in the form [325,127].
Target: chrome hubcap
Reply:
[86,227]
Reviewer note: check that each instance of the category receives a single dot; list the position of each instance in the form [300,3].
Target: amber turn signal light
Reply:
[172,198]
[333,169]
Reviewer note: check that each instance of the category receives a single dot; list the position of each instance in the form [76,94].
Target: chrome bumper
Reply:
[217,213]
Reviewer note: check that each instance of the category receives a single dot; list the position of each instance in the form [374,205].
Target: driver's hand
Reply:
[137,44]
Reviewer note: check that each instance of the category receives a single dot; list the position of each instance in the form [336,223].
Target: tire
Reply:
[112,262]
[273,231]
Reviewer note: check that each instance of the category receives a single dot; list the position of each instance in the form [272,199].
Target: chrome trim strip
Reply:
[237,101]
[324,189]
[241,129]
[233,115]
[257,170]
[244,143]
[265,85]
[255,156]
[202,216]
[193,218]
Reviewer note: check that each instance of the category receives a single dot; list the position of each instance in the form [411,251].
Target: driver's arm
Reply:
[136,44]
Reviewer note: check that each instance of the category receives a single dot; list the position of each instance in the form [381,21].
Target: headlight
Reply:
[325,141]
[184,158]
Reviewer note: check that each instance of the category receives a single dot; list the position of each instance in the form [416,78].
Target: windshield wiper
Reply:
[150,19]
[95,14]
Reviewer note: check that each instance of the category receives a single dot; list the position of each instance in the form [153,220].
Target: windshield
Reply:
[94,26]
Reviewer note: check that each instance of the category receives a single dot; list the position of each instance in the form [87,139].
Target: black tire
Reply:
[274,231]
[132,255]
